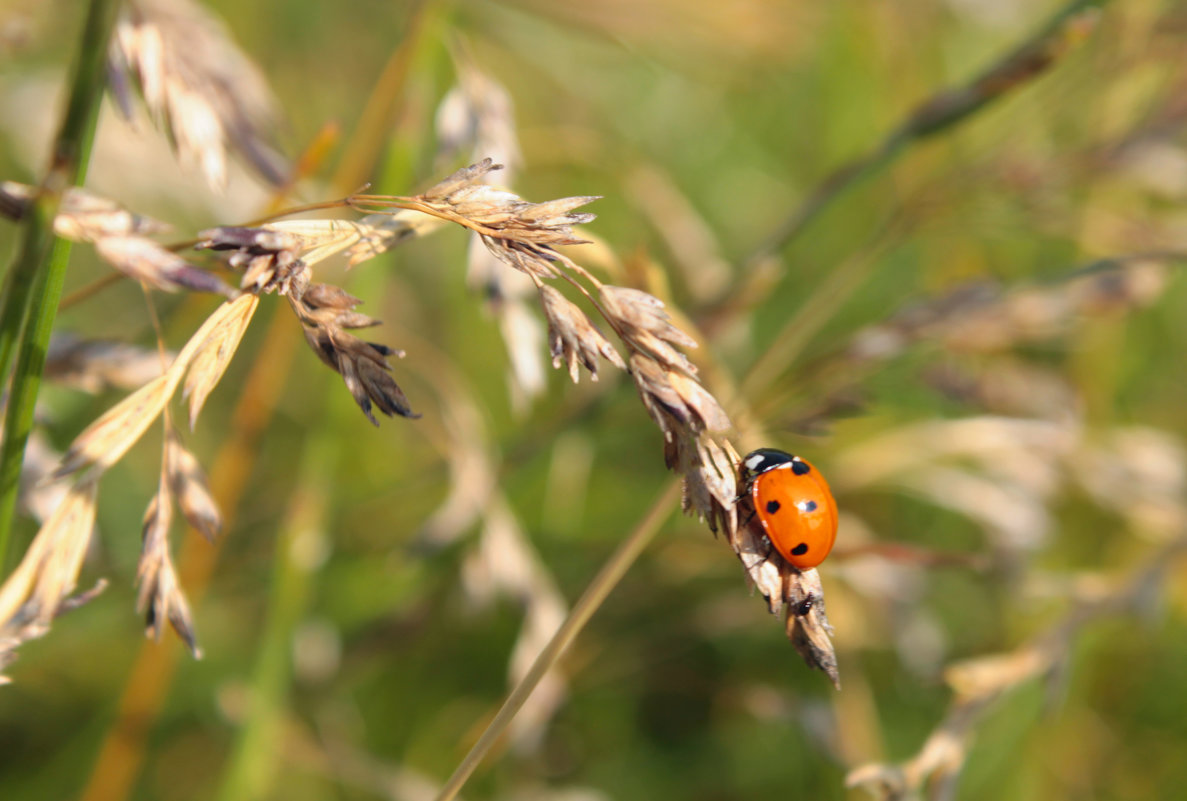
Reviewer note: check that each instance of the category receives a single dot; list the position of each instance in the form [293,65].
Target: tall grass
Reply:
[933,249]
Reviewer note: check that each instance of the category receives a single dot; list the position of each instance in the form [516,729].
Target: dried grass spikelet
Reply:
[52,561]
[640,319]
[710,485]
[190,488]
[146,261]
[680,406]
[82,216]
[206,354]
[40,587]
[278,257]
[519,233]
[572,338]
[118,236]
[160,597]
[182,481]
[477,116]
[270,259]
[196,81]
[691,419]
[272,254]
[325,313]
[693,423]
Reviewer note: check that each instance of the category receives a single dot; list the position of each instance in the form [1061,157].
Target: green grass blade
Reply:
[39,273]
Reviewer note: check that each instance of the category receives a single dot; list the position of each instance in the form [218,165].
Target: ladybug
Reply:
[793,503]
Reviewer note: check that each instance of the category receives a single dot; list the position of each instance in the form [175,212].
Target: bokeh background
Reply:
[980,341]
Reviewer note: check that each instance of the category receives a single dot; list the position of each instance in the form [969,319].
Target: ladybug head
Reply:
[764,459]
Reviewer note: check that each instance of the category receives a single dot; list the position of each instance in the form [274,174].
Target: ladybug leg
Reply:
[798,607]
[747,484]
[805,606]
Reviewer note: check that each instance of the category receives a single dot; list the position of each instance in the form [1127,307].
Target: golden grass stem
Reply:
[597,592]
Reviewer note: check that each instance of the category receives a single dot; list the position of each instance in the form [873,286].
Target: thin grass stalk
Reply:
[18,281]
[373,132]
[826,299]
[252,767]
[941,112]
[17,286]
[597,592]
[40,272]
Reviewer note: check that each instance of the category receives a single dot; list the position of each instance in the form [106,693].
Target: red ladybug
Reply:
[793,503]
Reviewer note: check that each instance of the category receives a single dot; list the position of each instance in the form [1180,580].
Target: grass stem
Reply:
[34,285]
[597,592]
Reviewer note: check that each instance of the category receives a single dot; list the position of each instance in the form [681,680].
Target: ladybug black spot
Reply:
[807,506]
[800,468]
[800,549]
[772,507]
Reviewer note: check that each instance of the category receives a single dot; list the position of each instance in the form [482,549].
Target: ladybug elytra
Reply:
[793,504]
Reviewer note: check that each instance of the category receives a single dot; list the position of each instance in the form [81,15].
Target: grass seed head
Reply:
[270,260]
[572,338]
[146,261]
[198,83]
[325,313]
[188,483]
[160,597]
[40,587]
[643,323]
[82,217]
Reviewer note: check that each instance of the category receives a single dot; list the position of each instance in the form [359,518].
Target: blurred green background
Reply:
[1026,450]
